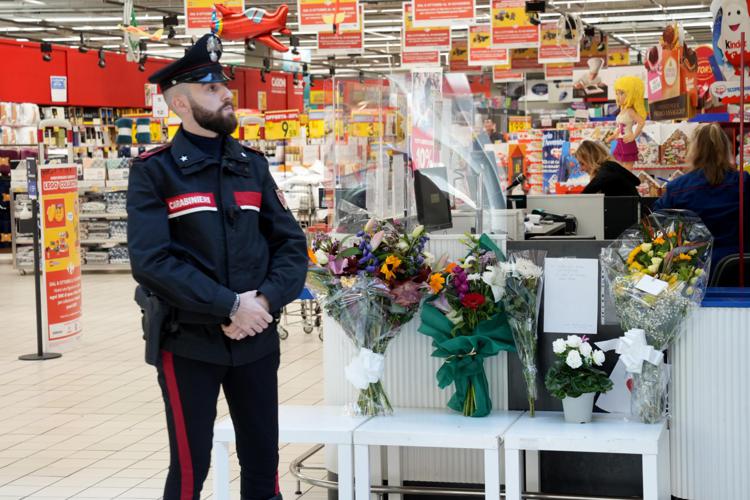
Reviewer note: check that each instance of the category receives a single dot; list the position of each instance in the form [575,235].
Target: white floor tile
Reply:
[91,424]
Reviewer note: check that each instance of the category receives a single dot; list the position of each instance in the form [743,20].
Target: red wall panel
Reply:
[26,77]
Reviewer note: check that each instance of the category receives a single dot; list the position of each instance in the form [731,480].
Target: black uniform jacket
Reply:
[613,180]
[199,232]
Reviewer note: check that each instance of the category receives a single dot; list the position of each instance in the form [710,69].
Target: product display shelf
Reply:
[23,240]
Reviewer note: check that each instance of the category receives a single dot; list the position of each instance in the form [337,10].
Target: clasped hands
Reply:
[251,318]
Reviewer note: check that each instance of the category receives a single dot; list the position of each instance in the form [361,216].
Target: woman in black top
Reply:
[607,176]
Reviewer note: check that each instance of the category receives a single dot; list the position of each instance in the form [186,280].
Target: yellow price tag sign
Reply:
[282,125]
[371,129]
[316,129]
[519,125]
[251,132]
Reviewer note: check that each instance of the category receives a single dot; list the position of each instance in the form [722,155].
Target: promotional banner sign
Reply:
[315,16]
[342,41]
[427,89]
[554,49]
[511,27]
[618,56]
[525,60]
[423,39]
[559,71]
[502,74]
[459,58]
[420,59]
[593,48]
[442,12]
[198,14]
[282,125]
[481,51]
[61,254]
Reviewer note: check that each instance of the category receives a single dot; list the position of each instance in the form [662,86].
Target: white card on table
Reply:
[651,285]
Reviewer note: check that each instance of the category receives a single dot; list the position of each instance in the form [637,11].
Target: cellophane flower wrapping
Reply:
[371,284]
[464,317]
[674,248]
[523,290]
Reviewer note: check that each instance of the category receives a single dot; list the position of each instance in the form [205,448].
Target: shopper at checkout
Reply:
[607,176]
[711,190]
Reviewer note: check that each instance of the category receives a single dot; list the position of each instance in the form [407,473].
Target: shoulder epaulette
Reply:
[257,152]
[152,152]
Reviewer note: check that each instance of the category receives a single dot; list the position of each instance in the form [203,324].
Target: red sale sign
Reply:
[442,12]
[417,39]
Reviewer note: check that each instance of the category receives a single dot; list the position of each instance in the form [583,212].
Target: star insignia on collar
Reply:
[183,158]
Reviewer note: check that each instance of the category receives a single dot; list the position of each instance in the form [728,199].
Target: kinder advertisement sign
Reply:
[61,254]
[731,19]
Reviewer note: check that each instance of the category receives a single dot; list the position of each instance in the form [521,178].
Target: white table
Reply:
[604,434]
[297,424]
[431,428]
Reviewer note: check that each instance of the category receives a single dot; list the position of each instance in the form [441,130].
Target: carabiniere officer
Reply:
[217,254]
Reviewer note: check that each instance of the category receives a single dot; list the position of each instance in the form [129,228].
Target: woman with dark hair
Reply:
[607,176]
[711,190]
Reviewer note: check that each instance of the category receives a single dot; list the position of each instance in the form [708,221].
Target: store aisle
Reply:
[91,425]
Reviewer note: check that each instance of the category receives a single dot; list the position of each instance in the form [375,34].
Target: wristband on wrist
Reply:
[236,306]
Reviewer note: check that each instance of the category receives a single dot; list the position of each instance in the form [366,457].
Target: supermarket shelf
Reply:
[108,241]
[100,215]
[29,268]
[662,167]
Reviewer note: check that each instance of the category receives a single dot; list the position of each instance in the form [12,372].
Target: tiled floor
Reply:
[91,424]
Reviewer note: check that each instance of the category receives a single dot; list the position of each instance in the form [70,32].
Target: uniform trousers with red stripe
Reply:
[191,389]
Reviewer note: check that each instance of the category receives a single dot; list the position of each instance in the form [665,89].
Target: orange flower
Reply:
[659,241]
[450,267]
[436,282]
[311,256]
[684,256]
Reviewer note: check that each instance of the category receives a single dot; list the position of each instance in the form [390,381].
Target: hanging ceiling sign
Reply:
[442,12]
[315,16]
[342,41]
[417,39]
[554,48]
[481,51]
[511,27]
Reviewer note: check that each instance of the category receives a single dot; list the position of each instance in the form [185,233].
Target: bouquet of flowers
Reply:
[657,271]
[465,319]
[575,371]
[523,289]
[371,284]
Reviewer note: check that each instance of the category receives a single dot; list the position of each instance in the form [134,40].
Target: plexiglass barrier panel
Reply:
[412,146]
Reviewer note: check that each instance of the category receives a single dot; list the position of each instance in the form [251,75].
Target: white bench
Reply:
[431,428]
[297,424]
[605,434]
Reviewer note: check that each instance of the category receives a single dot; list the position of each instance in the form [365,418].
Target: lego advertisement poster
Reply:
[61,253]
[554,48]
[481,51]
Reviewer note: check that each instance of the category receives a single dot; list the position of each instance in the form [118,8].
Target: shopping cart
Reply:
[305,311]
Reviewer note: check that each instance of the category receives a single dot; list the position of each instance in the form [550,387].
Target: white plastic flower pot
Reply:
[578,410]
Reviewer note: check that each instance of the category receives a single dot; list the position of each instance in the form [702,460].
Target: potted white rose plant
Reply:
[575,379]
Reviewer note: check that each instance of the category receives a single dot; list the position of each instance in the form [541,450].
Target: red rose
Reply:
[472,300]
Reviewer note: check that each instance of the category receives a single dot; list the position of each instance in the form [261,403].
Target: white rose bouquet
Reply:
[575,372]
[521,299]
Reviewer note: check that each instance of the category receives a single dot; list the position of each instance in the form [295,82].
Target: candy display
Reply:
[674,150]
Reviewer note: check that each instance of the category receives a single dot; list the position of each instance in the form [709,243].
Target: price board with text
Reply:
[282,125]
